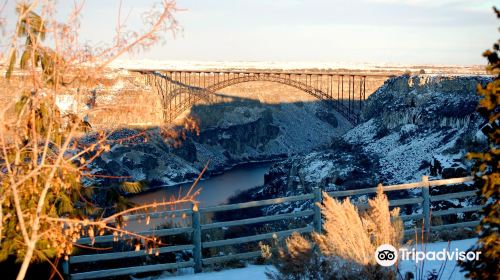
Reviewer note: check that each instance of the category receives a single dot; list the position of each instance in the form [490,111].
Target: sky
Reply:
[452,32]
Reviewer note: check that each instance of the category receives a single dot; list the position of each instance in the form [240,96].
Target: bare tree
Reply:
[42,162]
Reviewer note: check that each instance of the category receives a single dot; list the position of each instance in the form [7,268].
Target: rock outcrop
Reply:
[230,133]
[413,126]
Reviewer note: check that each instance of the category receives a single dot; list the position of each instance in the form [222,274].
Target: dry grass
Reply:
[355,237]
[347,246]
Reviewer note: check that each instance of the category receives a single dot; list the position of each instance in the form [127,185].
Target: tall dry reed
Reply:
[346,247]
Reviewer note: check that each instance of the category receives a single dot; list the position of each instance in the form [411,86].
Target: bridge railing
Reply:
[197,227]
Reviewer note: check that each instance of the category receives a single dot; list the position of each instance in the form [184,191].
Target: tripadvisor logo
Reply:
[387,255]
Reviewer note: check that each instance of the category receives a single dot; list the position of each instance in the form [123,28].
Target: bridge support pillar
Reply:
[65,267]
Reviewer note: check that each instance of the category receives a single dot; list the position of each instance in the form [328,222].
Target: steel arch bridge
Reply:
[181,89]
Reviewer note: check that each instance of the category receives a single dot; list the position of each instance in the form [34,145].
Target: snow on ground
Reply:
[282,65]
[66,103]
[251,272]
[400,160]
[202,65]
[450,268]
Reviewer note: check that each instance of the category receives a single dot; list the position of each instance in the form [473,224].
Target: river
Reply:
[214,190]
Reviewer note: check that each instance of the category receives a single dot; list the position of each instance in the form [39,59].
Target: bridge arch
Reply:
[267,78]
[185,93]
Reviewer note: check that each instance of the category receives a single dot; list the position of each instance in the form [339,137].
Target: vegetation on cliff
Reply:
[487,176]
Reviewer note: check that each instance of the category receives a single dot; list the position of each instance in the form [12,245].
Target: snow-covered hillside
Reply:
[413,121]
[413,126]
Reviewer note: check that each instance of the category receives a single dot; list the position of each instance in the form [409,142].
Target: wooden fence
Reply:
[197,227]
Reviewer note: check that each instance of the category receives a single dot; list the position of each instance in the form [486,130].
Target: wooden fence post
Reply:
[318,226]
[426,206]
[65,268]
[196,239]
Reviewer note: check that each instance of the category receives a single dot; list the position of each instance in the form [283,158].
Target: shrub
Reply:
[486,177]
[298,260]
[44,207]
[346,248]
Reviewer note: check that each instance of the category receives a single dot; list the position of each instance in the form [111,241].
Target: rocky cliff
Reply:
[230,133]
[413,126]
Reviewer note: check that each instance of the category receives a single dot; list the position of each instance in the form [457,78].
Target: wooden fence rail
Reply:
[197,228]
